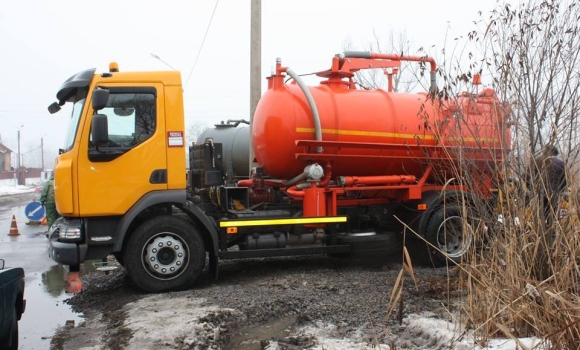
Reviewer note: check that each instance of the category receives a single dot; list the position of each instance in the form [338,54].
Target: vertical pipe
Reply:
[18,159]
[42,152]
[18,177]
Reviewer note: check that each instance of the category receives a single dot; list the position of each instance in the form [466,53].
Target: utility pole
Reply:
[18,158]
[255,66]
[42,153]
[18,177]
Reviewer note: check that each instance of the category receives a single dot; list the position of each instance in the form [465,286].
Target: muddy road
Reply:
[278,303]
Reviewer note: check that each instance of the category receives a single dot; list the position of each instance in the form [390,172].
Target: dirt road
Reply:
[282,303]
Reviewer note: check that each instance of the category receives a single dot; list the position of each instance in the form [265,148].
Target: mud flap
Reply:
[213,265]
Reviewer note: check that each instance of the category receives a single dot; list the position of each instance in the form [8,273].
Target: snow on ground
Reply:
[7,190]
[326,336]
[188,321]
[441,334]
[418,332]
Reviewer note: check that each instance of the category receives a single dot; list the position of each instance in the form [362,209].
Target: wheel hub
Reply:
[165,255]
[454,236]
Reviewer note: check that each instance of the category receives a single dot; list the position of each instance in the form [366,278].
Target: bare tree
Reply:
[194,131]
[533,50]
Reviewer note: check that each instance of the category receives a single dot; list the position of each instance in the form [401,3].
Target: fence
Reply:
[28,176]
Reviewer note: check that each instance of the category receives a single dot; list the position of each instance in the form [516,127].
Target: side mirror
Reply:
[53,108]
[100,129]
[100,99]
[1,264]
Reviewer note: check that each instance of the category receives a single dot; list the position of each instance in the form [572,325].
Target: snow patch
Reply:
[328,337]
[168,320]
[438,333]
[6,190]
[424,331]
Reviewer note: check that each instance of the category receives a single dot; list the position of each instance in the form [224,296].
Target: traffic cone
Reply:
[43,222]
[13,227]
[73,283]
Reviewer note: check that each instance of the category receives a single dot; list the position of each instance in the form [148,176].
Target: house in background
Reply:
[5,158]
[10,176]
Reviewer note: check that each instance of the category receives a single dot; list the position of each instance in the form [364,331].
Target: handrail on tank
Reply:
[236,122]
[344,65]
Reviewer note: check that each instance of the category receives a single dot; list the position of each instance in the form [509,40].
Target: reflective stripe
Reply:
[293,221]
[398,135]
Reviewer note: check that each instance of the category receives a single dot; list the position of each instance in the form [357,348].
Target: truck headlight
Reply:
[69,233]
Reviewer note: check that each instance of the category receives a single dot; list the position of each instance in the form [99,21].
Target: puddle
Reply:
[250,338]
[46,309]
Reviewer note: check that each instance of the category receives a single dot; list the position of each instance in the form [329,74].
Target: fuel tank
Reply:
[235,142]
[403,131]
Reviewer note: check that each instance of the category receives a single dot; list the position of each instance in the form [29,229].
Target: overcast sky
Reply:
[45,42]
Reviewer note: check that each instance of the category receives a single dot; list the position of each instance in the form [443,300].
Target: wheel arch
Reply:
[170,197]
[207,225]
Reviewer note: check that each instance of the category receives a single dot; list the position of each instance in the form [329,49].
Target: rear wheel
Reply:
[451,232]
[165,253]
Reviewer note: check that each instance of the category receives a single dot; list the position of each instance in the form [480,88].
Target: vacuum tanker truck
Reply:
[337,170]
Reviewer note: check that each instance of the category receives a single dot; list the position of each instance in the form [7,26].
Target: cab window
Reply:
[131,118]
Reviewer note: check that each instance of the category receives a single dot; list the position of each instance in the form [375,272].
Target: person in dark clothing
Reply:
[548,182]
[552,175]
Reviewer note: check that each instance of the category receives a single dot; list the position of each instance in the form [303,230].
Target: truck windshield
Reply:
[73,124]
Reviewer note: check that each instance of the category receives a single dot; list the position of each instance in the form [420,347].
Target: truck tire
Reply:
[451,233]
[164,254]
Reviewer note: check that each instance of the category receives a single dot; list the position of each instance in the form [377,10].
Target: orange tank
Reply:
[371,132]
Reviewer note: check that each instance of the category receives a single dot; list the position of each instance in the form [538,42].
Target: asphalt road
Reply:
[48,284]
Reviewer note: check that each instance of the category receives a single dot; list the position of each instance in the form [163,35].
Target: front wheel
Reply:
[164,254]
[451,231]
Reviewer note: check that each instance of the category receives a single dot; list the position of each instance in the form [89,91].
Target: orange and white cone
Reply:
[13,227]
[43,221]
[73,283]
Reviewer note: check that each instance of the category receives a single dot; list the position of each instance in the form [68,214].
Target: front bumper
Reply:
[65,253]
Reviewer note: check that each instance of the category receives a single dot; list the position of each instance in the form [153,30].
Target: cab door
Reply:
[112,177]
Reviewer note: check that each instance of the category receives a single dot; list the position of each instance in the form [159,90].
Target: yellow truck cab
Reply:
[123,161]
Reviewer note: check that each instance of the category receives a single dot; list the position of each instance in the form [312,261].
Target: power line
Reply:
[202,42]
[159,58]
[30,151]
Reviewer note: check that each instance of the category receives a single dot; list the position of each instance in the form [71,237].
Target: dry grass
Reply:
[524,281]
[522,277]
